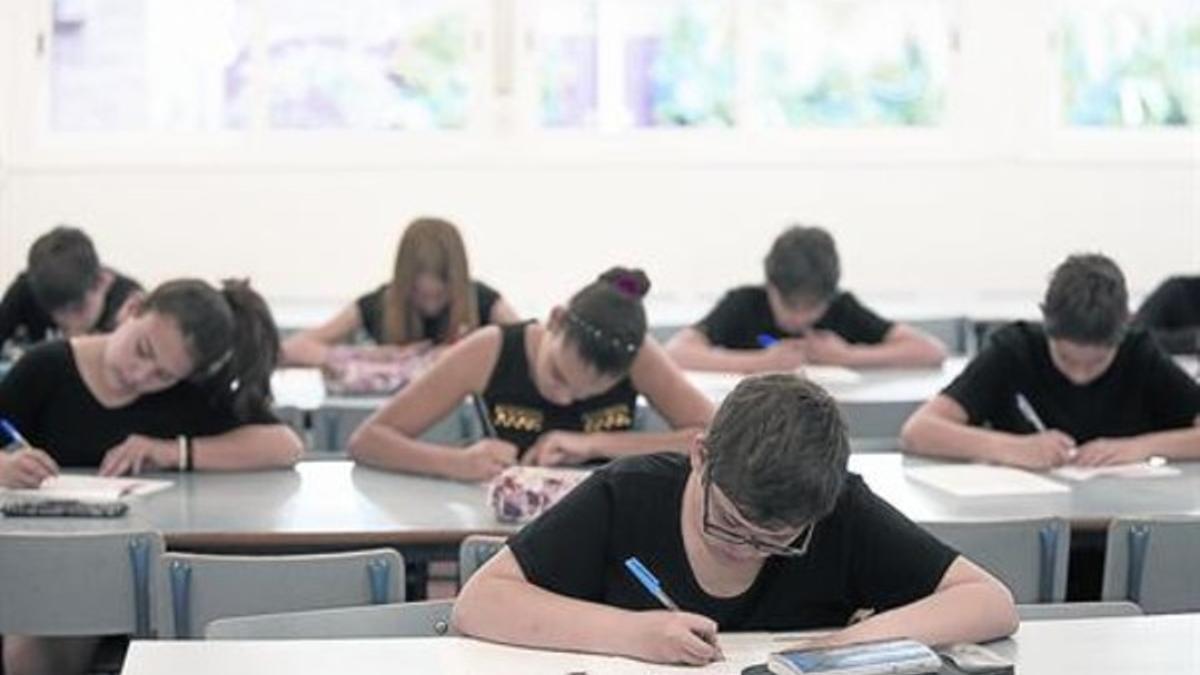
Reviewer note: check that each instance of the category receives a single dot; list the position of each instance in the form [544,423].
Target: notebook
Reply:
[983,480]
[90,488]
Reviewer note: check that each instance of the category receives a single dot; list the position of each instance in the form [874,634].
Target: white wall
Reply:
[538,233]
[912,225]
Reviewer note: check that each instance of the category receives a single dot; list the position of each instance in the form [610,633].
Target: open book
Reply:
[90,488]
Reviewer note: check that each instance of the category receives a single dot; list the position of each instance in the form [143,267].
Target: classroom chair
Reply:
[78,583]
[1029,556]
[1052,611]
[408,619]
[1153,562]
[195,589]
[953,331]
[475,550]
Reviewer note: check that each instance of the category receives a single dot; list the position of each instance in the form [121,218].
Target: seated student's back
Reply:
[64,289]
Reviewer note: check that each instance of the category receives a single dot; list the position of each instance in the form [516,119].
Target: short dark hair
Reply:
[606,321]
[1086,301]
[778,448]
[803,264]
[62,268]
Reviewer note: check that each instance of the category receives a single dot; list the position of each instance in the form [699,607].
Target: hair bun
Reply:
[632,283]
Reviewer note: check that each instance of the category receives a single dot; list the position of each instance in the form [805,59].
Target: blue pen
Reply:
[12,433]
[649,582]
[766,341]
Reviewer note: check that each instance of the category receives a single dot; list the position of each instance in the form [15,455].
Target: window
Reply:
[850,63]
[177,65]
[1131,64]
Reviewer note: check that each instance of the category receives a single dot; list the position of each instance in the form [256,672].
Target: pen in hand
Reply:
[652,585]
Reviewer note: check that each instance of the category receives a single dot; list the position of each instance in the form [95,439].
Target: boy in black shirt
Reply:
[799,317]
[1080,388]
[64,289]
[1172,315]
[759,528]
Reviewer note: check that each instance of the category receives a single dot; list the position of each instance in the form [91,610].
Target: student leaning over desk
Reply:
[758,528]
[563,392]
[800,316]
[1079,388]
[431,301]
[64,289]
[184,383]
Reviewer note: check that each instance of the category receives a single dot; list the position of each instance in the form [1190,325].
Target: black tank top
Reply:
[520,413]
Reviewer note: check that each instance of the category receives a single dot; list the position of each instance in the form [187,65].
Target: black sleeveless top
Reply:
[520,413]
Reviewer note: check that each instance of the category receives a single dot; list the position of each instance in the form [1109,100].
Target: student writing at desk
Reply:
[800,316]
[563,392]
[759,527]
[183,384]
[1081,387]
[431,300]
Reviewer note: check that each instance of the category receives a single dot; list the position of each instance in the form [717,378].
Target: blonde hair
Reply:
[429,246]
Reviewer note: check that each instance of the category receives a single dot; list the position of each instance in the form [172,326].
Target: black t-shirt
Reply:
[1141,392]
[370,309]
[23,319]
[1172,315]
[520,413]
[46,399]
[745,313]
[863,555]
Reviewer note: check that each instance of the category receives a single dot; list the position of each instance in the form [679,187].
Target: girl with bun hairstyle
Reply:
[562,392]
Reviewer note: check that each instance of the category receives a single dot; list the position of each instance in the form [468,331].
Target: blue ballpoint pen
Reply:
[651,584]
[11,432]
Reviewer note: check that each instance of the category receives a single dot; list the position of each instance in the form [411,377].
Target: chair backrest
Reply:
[1153,562]
[1029,556]
[475,550]
[952,331]
[1076,610]
[77,583]
[408,619]
[194,589]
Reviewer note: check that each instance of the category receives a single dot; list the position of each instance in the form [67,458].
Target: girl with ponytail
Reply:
[182,384]
[562,392]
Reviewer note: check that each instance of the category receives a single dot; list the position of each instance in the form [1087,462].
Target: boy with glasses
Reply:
[759,528]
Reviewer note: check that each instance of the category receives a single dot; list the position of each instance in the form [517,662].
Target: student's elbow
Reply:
[359,444]
[291,449]
[913,433]
[1001,609]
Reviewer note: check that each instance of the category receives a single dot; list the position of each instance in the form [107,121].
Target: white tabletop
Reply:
[335,503]
[1160,645]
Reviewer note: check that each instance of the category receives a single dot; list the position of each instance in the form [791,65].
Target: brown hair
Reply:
[778,448]
[606,321]
[429,246]
[230,336]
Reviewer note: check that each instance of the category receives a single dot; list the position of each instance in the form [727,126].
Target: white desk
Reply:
[331,504]
[1160,645]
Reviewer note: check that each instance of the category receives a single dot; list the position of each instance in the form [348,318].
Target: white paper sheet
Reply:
[983,480]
